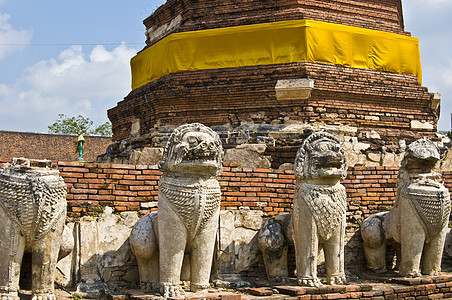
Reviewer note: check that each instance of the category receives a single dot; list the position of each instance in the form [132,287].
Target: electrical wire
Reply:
[67,44]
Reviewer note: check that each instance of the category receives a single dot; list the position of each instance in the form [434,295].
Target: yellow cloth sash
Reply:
[277,43]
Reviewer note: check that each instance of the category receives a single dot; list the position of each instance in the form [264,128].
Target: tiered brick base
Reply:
[369,100]
[439,287]
[385,15]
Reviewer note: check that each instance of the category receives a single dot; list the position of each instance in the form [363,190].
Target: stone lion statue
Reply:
[188,211]
[318,217]
[32,219]
[319,208]
[417,223]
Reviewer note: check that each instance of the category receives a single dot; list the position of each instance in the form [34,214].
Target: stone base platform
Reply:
[376,287]
[373,287]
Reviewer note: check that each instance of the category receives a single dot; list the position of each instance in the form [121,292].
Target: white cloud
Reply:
[73,83]
[11,39]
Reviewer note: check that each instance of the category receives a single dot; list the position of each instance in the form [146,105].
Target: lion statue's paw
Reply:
[9,296]
[410,274]
[149,286]
[337,279]
[170,290]
[433,273]
[309,281]
[44,296]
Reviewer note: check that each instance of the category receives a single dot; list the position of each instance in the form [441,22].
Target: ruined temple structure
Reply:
[271,72]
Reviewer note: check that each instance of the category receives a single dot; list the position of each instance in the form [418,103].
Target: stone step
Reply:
[378,288]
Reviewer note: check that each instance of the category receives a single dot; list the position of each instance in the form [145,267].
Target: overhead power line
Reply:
[68,44]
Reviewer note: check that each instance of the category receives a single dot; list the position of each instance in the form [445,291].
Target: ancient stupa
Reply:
[265,72]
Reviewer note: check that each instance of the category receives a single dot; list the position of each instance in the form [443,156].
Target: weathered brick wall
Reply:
[369,100]
[385,15]
[92,186]
[55,147]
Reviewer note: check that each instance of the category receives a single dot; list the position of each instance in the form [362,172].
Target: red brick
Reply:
[335,296]
[231,297]
[101,197]
[75,170]
[131,182]
[91,180]
[141,188]
[70,180]
[291,290]
[115,171]
[76,209]
[259,291]
[235,194]
[152,172]
[116,176]
[148,177]
[125,193]
[71,175]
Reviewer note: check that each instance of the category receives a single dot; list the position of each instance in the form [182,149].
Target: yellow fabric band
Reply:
[277,43]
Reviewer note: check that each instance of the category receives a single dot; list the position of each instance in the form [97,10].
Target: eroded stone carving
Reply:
[418,221]
[187,221]
[32,218]
[274,238]
[319,208]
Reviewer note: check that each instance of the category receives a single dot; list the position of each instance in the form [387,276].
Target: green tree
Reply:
[104,129]
[78,125]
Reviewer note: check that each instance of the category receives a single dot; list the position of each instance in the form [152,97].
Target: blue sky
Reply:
[73,57]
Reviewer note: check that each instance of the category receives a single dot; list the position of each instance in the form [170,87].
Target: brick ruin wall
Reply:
[393,105]
[126,188]
[189,15]
[55,147]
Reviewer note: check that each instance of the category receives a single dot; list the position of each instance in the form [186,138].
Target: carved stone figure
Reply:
[417,222]
[319,208]
[187,221]
[32,218]
[274,238]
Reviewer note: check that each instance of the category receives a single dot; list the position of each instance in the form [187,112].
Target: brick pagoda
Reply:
[236,66]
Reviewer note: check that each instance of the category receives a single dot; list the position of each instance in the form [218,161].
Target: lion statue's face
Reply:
[193,148]
[421,156]
[321,156]
[325,160]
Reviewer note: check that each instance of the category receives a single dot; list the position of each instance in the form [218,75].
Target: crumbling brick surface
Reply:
[369,100]
[385,15]
[56,147]
[92,186]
